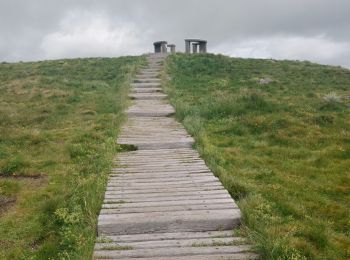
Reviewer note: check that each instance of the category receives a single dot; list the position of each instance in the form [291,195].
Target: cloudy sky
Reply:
[316,30]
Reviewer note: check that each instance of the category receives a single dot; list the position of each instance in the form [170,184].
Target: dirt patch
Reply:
[6,203]
[26,185]
[22,176]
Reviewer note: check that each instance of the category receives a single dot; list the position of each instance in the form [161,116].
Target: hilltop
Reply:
[276,133]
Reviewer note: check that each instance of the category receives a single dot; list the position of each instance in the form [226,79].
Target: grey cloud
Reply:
[27,27]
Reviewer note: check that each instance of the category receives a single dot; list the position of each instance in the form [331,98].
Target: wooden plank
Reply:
[164,189]
[146,85]
[121,204]
[189,242]
[136,223]
[165,198]
[168,209]
[166,252]
[170,236]
[236,256]
[166,193]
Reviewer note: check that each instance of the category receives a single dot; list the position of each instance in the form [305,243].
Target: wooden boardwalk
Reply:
[162,201]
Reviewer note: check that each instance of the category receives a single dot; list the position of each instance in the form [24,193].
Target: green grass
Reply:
[281,149]
[58,123]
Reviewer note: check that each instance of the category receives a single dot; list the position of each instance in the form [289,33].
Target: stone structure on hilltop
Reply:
[160,47]
[197,45]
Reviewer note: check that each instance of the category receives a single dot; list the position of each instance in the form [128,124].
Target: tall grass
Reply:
[58,124]
[281,149]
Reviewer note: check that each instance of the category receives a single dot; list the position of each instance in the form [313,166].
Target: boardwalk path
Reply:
[162,201]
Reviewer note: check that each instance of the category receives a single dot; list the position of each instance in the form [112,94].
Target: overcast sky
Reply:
[316,30]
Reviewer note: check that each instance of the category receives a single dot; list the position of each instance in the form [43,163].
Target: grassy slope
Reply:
[58,123]
[280,149]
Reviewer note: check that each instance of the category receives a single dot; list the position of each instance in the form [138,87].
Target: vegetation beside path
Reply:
[58,123]
[282,149]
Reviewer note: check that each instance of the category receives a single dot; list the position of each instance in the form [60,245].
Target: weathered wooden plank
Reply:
[168,186]
[147,80]
[236,256]
[189,242]
[168,209]
[165,198]
[167,193]
[166,252]
[155,176]
[170,236]
[146,85]
[164,222]
[164,180]
[121,204]
[164,183]
[147,96]
[163,189]
[146,90]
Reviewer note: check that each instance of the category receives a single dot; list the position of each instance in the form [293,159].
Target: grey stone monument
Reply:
[202,44]
[172,47]
[160,47]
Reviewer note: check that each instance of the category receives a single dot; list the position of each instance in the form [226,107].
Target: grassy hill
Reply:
[282,149]
[58,122]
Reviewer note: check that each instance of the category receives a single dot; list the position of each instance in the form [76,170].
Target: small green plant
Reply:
[221,243]
[332,101]
[9,187]
[12,165]
[115,202]
[332,97]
